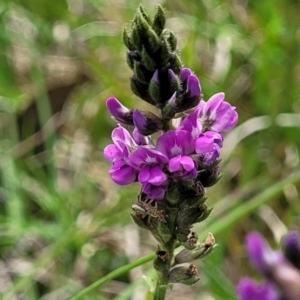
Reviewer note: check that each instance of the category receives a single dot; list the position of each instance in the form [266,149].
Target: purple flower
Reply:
[153,175]
[150,161]
[209,145]
[175,142]
[177,146]
[122,174]
[263,258]
[281,275]
[193,88]
[145,156]
[184,74]
[119,112]
[217,115]
[153,191]
[123,144]
[192,123]
[248,289]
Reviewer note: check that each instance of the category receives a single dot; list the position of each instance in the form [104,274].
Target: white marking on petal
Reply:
[175,150]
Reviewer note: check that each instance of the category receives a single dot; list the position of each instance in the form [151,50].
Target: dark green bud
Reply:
[136,39]
[143,13]
[154,88]
[171,38]
[159,20]
[165,53]
[127,40]
[184,273]
[175,63]
[148,61]
[140,90]
[140,72]
[174,83]
[200,251]
[138,220]
[169,110]
[205,215]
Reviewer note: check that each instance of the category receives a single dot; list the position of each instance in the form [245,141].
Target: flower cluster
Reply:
[280,269]
[176,166]
[180,154]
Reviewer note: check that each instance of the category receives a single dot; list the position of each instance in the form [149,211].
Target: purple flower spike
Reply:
[122,174]
[173,143]
[193,88]
[291,248]
[218,115]
[119,112]
[261,255]
[248,289]
[184,74]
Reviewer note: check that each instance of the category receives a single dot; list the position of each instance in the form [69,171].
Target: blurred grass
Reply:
[63,223]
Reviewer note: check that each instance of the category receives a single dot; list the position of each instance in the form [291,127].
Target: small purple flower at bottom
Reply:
[248,289]
[122,174]
[153,191]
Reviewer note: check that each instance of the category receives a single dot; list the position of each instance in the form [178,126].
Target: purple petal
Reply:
[261,255]
[204,144]
[154,192]
[184,74]
[153,175]
[122,138]
[179,162]
[112,152]
[173,143]
[192,123]
[212,156]
[248,289]
[139,120]
[122,174]
[120,112]
[139,138]
[146,156]
[193,86]
[218,115]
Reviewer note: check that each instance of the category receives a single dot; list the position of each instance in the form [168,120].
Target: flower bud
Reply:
[140,89]
[154,88]
[291,248]
[200,251]
[159,20]
[146,122]
[184,273]
[119,112]
[161,261]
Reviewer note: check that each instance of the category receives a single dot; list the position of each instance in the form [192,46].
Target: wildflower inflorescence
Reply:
[174,169]
[281,269]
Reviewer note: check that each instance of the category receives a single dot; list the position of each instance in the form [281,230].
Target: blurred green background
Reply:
[63,222]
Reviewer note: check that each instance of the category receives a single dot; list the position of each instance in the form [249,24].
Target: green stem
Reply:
[112,275]
[163,281]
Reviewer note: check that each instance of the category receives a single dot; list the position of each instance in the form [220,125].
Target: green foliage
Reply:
[64,225]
